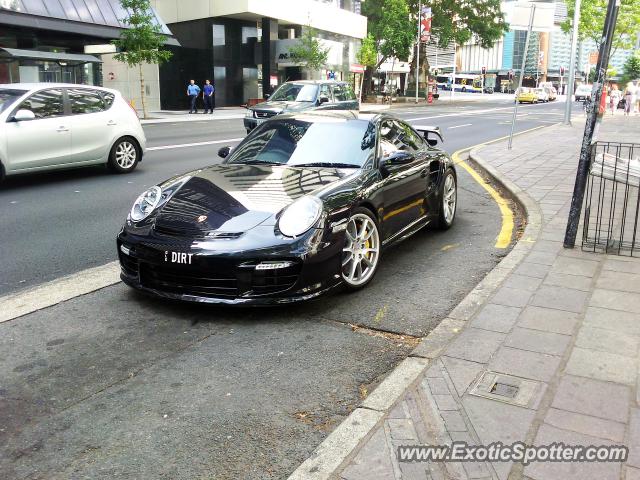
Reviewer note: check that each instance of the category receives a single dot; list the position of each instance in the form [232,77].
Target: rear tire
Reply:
[448,200]
[124,155]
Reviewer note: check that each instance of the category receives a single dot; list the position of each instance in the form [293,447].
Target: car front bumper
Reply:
[226,271]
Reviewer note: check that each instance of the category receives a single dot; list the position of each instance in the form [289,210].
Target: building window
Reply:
[218,35]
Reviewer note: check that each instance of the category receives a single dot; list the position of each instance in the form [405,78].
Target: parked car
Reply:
[45,126]
[302,95]
[526,95]
[583,92]
[542,94]
[552,93]
[307,202]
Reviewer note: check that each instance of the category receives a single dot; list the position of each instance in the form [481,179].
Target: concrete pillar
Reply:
[269,66]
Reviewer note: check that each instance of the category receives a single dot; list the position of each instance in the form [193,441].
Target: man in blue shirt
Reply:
[193,91]
[207,95]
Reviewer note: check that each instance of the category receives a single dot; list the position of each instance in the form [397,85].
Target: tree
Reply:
[631,68]
[367,56]
[309,52]
[141,42]
[592,15]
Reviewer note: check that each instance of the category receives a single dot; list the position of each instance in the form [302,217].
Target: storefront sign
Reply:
[355,68]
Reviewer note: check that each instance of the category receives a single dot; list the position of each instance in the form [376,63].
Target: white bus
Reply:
[464,82]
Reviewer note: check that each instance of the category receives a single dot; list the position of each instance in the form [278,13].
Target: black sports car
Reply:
[305,203]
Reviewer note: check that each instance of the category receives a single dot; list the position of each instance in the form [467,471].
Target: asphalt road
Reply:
[116,385]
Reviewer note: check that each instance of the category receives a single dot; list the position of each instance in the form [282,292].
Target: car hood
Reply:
[280,107]
[236,198]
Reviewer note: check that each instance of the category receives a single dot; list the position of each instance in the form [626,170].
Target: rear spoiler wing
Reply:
[429,132]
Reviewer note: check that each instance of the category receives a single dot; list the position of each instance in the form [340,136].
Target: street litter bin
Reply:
[612,200]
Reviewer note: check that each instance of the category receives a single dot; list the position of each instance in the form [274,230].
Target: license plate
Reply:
[178,258]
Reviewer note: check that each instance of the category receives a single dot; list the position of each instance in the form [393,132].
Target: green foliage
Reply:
[392,27]
[631,68]
[309,51]
[592,15]
[142,42]
[368,54]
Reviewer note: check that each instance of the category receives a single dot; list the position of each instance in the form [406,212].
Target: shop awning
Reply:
[16,53]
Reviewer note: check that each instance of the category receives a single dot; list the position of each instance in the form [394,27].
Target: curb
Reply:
[339,446]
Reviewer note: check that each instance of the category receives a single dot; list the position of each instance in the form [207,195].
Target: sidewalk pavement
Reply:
[562,326]
[171,116]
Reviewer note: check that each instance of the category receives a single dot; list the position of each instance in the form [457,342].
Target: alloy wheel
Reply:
[126,154]
[362,250]
[449,199]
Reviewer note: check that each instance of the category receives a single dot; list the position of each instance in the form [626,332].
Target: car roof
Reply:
[41,85]
[310,115]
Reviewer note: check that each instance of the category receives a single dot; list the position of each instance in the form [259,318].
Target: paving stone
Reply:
[602,366]
[569,281]
[548,320]
[570,470]
[453,421]
[512,297]
[522,363]
[593,397]
[475,345]
[548,246]
[533,269]
[543,258]
[633,442]
[445,402]
[623,322]
[595,338]
[402,429]
[498,318]
[438,386]
[615,300]
[537,341]
[619,265]
[373,461]
[631,473]
[625,282]
[461,372]
[398,411]
[523,282]
[586,424]
[575,266]
[560,298]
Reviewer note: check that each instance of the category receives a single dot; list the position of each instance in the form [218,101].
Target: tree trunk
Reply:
[142,95]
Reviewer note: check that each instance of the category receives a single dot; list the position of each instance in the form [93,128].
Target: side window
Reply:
[389,138]
[84,100]
[109,98]
[45,104]
[411,141]
[325,91]
[340,93]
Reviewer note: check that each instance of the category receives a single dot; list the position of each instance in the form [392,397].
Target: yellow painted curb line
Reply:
[506,232]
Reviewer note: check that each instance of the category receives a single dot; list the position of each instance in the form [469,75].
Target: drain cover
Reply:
[506,388]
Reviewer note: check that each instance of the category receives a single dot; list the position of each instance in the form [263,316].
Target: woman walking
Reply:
[614,98]
[629,99]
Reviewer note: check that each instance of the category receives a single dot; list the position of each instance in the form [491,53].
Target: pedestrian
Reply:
[614,98]
[628,99]
[207,96]
[193,91]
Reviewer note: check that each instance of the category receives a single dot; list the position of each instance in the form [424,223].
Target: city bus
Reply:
[464,82]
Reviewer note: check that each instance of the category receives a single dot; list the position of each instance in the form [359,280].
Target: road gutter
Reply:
[342,444]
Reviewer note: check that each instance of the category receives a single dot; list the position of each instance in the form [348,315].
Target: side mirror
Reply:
[224,152]
[323,99]
[266,97]
[24,115]
[399,157]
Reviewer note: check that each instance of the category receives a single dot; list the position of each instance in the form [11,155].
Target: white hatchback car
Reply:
[46,126]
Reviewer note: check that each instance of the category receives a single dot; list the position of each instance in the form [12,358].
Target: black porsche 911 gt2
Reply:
[305,203]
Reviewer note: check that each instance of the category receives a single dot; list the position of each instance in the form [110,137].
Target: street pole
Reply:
[524,64]
[453,74]
[592,118]
[572,64]
[418,50]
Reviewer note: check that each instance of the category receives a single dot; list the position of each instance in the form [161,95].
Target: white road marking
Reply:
[197,144]
[471,112]
[460,126]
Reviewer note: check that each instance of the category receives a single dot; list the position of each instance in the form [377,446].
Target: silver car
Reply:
[46,126]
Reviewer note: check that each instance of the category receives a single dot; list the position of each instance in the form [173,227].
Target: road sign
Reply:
[593,58]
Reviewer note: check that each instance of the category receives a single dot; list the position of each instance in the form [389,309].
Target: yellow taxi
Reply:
[527,95]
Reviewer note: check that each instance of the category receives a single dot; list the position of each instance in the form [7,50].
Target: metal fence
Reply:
[612,200]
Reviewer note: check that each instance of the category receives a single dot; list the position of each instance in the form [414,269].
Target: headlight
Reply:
[300,216]
[249,114]
[145,204]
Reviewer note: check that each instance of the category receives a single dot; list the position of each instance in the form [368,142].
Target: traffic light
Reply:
[562,71]
[510,74]
[484,70]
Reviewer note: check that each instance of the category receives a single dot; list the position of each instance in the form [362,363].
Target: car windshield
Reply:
[322,142]
[295,92]
[8,96]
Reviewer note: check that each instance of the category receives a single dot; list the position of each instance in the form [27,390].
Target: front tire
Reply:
[124,156]
[361,253]
[449,200]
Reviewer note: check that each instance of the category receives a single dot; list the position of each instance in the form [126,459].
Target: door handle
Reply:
[111,123]
[424,173]
[62,129]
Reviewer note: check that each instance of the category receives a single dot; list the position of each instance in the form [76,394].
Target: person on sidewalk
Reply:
[207,95]
[628,99]
[614,98]
[193,91]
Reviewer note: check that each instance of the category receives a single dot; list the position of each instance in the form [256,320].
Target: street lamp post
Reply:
[572,64]
[418,51]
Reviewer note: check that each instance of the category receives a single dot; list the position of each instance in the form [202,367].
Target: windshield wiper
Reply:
[325,164]
[256,162]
